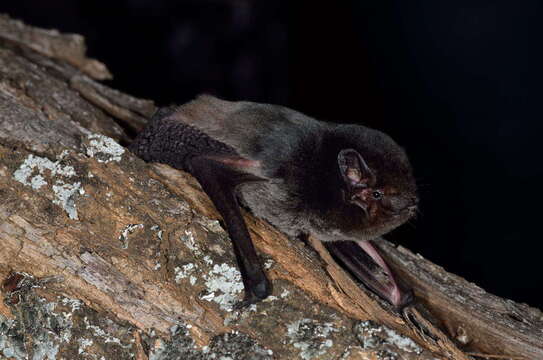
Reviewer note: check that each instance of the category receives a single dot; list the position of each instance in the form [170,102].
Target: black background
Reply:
[457,83]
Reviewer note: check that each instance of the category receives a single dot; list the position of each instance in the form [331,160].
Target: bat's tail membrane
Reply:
[370,268]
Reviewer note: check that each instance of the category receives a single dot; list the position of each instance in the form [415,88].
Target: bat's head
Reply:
[376,189]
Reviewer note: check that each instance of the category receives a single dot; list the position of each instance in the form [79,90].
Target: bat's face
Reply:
[381,198]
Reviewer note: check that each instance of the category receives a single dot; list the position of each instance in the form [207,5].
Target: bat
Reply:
[344,184]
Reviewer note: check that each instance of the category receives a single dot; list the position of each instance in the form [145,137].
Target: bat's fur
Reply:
[299,157]
[295,154]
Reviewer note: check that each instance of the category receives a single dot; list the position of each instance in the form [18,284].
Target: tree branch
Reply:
[105,255]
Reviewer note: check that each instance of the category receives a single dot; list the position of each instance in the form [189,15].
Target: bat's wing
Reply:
[219,170]
[370,268]
[219,180]
[251,129]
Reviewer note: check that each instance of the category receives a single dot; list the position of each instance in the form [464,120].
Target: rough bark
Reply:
[106,256]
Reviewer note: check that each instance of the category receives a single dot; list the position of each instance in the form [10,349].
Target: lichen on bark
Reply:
[106,257]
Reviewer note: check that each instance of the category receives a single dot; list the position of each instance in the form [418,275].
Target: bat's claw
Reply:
[245,303]
[255,294]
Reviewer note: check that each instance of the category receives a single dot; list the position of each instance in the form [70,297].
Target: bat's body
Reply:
[336,182]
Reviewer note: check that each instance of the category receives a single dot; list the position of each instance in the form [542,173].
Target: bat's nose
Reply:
[407,203]
[413,204]
[412,210]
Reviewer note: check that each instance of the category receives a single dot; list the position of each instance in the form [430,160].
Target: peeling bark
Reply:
[106,256]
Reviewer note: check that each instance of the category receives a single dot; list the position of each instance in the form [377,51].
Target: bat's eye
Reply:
[377,195]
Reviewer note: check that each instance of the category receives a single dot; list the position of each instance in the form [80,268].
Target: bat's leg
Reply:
[219,182]
[362,266]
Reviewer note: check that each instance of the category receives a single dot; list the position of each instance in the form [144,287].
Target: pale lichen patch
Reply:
[181,346]
[59,327]
[211,225]
[65,197]
[127,230]
[223,284]
[268,264]
[36,316]
[99,332]
[83,344]
[230,345]
[373,335]
[103,148]
[40,165]
[46,349]
[75,304]
[159,232]
[183,272]
[402,342]
[236,345]
[32,173]
[37,182]
[190,242]
[207,260]
[310,337]
[9,346]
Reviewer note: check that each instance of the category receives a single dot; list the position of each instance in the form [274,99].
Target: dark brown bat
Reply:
[336,182]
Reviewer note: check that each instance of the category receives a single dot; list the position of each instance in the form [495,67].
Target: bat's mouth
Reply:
[386,224]
[406,213]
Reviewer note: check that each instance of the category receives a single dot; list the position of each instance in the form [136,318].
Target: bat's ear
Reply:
[354,170]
